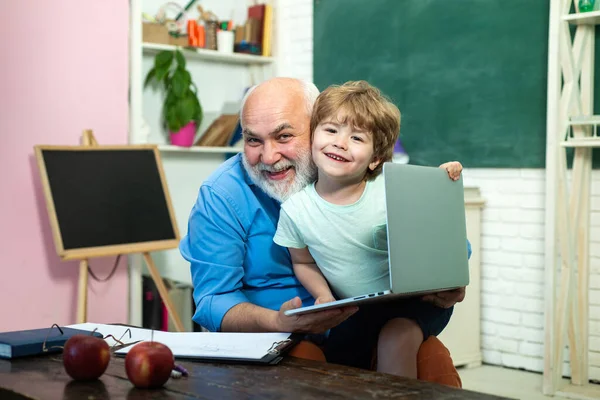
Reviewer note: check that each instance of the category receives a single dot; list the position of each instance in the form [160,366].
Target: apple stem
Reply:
[152,336]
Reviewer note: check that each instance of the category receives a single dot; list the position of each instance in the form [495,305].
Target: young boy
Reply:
[336,234]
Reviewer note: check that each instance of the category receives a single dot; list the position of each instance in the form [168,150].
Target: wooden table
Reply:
[45,378]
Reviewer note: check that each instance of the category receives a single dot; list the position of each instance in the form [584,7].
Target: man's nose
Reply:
[270,154]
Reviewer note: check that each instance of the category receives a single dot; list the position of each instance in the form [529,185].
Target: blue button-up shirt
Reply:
[230,247]
[231,250]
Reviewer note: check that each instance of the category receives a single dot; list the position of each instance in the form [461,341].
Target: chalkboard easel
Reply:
[121,188]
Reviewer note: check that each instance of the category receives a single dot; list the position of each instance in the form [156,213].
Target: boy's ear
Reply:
[374,164]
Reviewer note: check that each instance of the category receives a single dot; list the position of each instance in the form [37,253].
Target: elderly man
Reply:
[243,281]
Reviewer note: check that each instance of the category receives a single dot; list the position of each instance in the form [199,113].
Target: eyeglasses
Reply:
[114,347]
[46,349]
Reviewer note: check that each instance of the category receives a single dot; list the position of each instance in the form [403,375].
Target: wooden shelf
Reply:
[208,55]
[591,120]
[582,142]
[585,392]
[585,18]
[199,149]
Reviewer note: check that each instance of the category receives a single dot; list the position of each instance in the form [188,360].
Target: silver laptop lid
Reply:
[427,234]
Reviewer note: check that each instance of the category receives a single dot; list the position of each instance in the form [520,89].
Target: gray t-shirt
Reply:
[348,242]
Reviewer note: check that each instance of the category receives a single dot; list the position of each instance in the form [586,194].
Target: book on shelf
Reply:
[256,16]
[255,36]
[267,31]
[219,132]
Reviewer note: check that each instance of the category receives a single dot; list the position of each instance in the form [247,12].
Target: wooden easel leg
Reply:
[162,290]
[87,139]
[82,292]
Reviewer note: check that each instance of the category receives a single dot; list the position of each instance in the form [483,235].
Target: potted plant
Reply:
[182,112]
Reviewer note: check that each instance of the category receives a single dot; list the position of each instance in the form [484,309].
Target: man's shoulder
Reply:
[230,186]
[229,178]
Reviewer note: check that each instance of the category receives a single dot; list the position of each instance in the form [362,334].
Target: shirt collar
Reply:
[247,178]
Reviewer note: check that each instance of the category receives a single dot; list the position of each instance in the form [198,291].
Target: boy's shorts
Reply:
[352,342]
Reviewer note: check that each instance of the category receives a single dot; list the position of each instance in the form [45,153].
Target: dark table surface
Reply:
[44,377]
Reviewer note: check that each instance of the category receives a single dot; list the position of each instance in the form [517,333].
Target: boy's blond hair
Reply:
[365,108]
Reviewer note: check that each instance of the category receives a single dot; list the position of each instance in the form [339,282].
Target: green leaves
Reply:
[181,104]
[185,109]
[162,64]
[149,77]
[163,59]
[180,59]
[179,84]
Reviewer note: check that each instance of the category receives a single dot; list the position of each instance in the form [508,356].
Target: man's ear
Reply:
[374,164]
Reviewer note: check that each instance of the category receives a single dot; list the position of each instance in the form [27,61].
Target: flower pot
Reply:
[185,136]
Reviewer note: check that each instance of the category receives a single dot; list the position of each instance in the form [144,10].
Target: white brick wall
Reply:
[512,253]
[293,42]
[512,268]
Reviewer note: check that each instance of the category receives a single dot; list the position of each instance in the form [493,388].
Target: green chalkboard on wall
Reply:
[469,76]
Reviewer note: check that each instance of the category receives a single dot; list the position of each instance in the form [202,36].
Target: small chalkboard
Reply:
[106,200]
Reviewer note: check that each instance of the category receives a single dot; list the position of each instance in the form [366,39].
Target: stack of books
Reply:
[255,36]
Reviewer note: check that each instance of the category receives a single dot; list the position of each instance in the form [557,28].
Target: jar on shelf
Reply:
[586,5]
[211,34]
[211,23]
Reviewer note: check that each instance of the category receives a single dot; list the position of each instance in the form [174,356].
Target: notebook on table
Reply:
[226,347]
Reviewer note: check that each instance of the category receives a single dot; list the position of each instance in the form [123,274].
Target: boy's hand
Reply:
[454,169]
[324,299]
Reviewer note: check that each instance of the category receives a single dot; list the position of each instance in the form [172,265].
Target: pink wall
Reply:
[64,68]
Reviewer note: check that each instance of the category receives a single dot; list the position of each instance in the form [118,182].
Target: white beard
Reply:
[306,173]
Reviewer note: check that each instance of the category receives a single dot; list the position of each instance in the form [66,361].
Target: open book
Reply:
[208,346]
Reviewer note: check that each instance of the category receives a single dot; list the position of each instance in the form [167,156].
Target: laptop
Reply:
[427,236]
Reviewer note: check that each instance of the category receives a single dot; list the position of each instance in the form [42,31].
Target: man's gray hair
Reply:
[309,89]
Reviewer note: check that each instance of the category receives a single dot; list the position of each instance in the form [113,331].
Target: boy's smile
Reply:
[336,157]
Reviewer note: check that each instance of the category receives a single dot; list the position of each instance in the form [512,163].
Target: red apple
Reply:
[149,364]
[85,357]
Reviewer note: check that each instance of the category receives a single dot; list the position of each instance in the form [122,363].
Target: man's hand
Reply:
[447,298]
[317,322]
[454,169]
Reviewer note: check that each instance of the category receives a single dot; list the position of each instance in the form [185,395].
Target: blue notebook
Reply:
[30,342]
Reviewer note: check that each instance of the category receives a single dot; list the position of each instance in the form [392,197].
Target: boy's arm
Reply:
[310,276]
